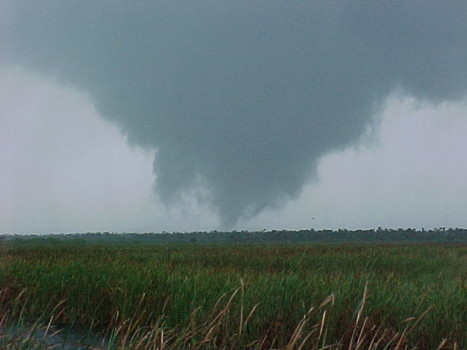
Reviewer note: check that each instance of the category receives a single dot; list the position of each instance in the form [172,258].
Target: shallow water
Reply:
[53,338]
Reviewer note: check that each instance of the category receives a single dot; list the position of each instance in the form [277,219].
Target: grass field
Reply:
[239,296]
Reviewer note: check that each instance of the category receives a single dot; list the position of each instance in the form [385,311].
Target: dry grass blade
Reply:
[441,345]
[362,335]
[330,299]
[296,334]
[250,315]
[322,323]
[359,315]
[242,299]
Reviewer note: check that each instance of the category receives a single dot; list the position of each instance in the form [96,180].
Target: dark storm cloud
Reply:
[243,96]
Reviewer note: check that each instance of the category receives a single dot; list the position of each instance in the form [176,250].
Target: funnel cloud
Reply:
[241,99]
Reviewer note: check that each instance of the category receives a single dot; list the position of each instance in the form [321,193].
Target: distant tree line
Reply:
[382,235]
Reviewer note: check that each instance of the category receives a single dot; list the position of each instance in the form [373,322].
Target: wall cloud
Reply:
[241,97]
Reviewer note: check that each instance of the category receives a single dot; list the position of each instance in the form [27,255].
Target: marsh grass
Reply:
[237,297]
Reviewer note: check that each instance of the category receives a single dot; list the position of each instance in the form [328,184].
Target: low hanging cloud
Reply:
[241,97]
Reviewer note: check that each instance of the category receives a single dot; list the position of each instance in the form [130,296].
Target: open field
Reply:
[308,296]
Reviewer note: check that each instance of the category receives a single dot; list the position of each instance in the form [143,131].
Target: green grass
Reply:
[243,296]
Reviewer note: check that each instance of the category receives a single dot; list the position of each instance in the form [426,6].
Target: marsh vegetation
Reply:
[315,296]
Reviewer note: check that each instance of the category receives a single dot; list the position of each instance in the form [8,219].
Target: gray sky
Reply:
[182,115]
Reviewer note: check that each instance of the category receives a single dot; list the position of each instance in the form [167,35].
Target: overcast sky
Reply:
[202,115]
